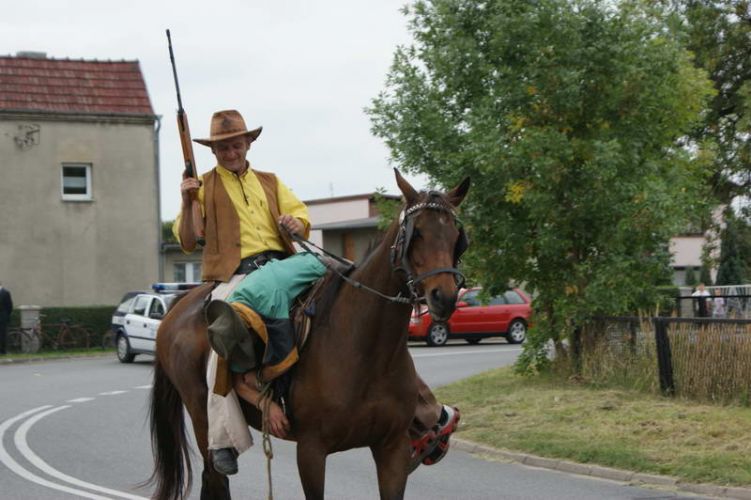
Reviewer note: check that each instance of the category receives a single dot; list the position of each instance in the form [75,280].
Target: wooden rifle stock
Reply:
[190,160]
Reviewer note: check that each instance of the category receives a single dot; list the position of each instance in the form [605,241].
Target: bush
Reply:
[96,319]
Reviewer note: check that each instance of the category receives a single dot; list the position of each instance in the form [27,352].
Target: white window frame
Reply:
[192,271]
[76,197]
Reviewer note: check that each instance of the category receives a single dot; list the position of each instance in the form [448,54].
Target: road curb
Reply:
[17,361]
[635,478]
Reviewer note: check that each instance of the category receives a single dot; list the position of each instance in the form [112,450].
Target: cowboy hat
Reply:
[226,125]
[229,336]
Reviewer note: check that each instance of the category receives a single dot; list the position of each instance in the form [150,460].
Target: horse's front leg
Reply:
[311,464]
[392,462]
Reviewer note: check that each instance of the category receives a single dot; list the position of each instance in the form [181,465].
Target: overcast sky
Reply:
[304,70]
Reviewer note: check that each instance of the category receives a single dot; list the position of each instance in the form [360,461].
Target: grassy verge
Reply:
[617,428]
[56,354]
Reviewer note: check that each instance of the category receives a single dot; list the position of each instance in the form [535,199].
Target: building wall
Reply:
[71,253]
[336,211]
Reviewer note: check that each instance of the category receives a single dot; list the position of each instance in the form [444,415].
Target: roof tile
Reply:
[73,86]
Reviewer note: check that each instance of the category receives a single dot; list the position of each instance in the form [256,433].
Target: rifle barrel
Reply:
[174,72]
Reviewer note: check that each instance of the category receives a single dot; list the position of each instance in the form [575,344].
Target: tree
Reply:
[732,270]
[167,235]
[690,279]
[566,115]
[718,33]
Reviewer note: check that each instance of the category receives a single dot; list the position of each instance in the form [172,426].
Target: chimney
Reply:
[31,54]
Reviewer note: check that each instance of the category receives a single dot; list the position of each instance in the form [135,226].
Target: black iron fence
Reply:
[702,358]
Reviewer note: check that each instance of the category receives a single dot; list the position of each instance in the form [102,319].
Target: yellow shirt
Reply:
[258,230]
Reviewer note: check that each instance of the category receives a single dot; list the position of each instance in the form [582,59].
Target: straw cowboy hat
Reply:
[226,125]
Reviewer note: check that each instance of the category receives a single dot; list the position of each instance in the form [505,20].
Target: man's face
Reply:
[231,153]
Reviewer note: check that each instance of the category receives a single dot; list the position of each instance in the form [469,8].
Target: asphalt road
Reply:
[78,429]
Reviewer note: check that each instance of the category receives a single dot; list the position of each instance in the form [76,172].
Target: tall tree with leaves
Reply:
[732,269]
[566,115]
[719,34]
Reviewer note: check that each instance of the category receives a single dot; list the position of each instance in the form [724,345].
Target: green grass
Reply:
[618,428]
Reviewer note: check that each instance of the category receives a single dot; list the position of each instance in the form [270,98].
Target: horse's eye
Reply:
[416,233]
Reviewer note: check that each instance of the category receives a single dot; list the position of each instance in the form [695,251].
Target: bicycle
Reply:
[24,340]
[108,339]
[68,335]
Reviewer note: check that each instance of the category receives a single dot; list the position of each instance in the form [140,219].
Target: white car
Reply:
[137,318]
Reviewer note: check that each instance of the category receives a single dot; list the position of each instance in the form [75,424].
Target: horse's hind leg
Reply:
[311,464]
[392,462]
[214,486]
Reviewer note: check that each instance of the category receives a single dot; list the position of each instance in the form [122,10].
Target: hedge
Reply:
[96,319]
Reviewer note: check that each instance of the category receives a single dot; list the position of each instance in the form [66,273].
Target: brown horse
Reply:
[354,385]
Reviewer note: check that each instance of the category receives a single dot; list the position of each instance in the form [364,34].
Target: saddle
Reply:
[304,309]
[301,314]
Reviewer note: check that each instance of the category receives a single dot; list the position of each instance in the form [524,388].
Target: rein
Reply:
[398,298]
[399,259]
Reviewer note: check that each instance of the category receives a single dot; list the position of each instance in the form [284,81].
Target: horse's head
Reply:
[429,244]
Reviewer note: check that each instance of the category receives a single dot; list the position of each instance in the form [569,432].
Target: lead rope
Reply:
[264,404]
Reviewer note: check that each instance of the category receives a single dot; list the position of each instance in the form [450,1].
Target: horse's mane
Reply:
[332,288]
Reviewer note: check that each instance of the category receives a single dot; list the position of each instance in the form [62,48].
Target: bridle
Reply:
[403,240]
[400,249]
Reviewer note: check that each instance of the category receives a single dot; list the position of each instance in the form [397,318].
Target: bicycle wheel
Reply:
[108,339]
[29,341]
[64,339]
[23,340]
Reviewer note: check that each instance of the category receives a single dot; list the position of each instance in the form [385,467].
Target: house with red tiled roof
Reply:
[79,194]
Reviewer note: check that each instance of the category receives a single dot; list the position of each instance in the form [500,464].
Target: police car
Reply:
[137,318]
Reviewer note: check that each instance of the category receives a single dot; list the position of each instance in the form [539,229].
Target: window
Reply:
[76,184]
[513,298]
[142,302]
[156,307]
[497,300]
[471,298]
[187,272]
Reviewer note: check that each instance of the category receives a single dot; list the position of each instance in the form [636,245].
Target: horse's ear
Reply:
[406,188]
[456,195]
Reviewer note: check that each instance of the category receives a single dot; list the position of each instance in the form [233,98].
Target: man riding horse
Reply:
[248,255]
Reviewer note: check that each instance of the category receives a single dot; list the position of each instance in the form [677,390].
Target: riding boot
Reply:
[224,461]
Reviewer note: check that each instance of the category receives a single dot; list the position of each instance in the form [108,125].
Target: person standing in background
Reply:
[701,296]
[6,307]
[718,305]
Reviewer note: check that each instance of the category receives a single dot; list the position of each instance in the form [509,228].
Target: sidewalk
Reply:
[634,478]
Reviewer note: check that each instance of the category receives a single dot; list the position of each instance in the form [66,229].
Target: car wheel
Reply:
[123,350]
[517,332]
[438,334]
[473,341]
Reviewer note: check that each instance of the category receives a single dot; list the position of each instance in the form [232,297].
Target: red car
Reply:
[506,315]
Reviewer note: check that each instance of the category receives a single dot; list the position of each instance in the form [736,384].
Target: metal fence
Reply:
[699,358]
[733,302]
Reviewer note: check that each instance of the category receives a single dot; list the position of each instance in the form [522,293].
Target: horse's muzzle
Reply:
[441,303]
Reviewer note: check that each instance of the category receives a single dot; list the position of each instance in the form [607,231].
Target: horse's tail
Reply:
[172,472]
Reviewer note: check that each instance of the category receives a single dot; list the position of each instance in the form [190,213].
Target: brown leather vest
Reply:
[221,255]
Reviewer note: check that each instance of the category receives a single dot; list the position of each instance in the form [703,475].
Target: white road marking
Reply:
[461,353]
[111,393]
[79,400]
[14,466]
[23,446]
[143,386]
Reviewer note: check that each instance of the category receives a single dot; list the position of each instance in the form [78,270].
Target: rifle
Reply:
[190,160]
